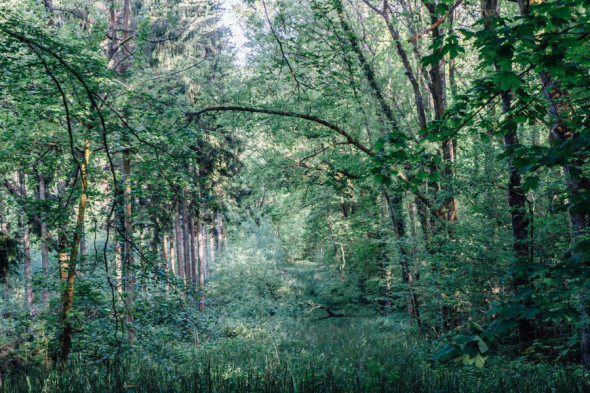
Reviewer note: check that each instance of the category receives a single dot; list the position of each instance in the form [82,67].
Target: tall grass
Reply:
[351,355]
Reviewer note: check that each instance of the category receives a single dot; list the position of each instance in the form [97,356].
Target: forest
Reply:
[294,196]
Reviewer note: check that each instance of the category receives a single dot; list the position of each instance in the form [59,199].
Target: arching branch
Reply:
[349,138]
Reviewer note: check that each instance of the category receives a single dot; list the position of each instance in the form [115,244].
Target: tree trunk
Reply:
[3,222]
[26,246]
[128,258]
[219,234]
[179,245]
[194,261]
[186,244]
[577,183]
[165,252]
[44,248]
[201,270]
[516,196]
[173,259]
[395,207]
[205,253]
[83,249]
[68,296]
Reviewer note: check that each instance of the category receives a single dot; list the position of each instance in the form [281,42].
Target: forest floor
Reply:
[261,333]
[336,355]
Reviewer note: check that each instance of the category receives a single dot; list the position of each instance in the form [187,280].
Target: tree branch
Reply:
[349,138]
[437,23]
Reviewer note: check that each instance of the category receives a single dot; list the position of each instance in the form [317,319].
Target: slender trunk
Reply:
[128,258]
[165,252]
[173,261]
[44,248]
[186,244]
[448,208]
[155,247]
[418,100]
[119,266]
[179,245]
[395,207]
[201,272]
[219,234]
[83,249]
[143,284]
[68,296]
[3,222]
[212,246]
[167,261]
[63,257]
[516,196]
[26,245]
[126,43]
[205,256]
[194,261]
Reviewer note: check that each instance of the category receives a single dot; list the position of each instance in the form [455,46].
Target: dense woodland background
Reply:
[356,195]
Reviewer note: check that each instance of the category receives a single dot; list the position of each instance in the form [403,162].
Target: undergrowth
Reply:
[344,355]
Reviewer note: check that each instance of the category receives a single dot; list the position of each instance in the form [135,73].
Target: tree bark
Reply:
[26,246]
[165,252]
[186,243]
[194,254]
[44,248]
[179,245]
[577,183]
[516,196]
[173,259]
[395,207]
[219,234]
[128,258]
[3,222]
[212,245]
[201,271]
[68,296]
[205,256]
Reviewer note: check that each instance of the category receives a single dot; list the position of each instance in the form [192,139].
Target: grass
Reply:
[344,355]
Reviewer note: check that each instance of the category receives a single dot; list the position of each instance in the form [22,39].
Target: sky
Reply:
[230,19]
